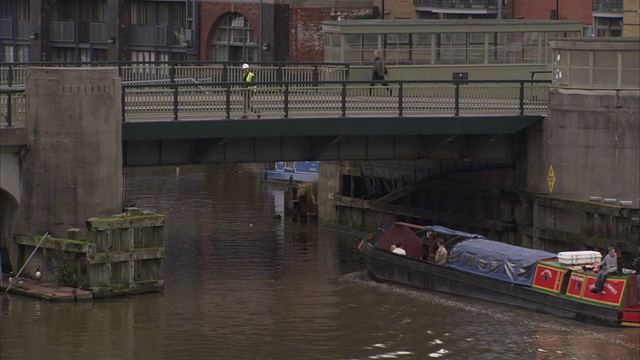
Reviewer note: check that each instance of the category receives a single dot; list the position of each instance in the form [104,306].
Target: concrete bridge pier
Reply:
[71,168]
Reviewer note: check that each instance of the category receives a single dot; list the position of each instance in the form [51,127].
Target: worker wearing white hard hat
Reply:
[248,78]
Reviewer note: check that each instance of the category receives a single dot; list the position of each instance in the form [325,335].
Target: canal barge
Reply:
[558,284]
[297,171]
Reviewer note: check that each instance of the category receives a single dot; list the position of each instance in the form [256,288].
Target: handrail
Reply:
[340,98]
[179,100]
[14,74]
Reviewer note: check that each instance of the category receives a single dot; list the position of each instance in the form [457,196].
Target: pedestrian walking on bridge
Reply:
[247,94]
[378,73]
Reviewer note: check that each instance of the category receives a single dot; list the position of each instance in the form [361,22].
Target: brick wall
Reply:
[579,10]
[210,15]
[306,41]
[294,34]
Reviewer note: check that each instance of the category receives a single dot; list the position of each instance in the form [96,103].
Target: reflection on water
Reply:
[242,285]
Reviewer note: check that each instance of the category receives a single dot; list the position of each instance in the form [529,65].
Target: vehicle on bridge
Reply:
[476,267]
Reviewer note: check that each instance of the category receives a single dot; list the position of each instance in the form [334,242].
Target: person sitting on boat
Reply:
[635,265]
[442,255]
[608,265]
[397,249]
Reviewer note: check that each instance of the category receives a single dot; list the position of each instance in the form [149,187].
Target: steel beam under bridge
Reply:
[473,138]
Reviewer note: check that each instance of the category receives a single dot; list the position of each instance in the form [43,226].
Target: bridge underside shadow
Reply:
[476,138]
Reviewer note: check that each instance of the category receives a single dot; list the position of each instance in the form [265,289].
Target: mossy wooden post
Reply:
[290,198]
[128,252]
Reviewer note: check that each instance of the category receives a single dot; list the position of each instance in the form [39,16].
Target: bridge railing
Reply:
[14,75]
[334,98]
[188,100]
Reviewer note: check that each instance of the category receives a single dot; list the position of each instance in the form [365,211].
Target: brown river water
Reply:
[242,285]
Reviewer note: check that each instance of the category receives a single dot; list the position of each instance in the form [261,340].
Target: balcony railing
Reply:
[608,6]
[423,3]
[63,31]
[465,4]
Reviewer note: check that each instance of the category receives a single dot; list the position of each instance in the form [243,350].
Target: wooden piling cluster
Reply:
[127,255]
[121,255]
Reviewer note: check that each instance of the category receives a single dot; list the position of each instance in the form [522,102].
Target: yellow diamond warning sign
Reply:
[551,178]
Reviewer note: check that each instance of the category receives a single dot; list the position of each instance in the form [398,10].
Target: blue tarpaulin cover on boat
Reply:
[446,231]
[497,260]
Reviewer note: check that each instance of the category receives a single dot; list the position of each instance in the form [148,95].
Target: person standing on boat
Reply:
[635,265]
[442,255]
[607,266]
[248,78]
[379,71]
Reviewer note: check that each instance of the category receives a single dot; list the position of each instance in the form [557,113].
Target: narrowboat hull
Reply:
[297,171]
[417,273]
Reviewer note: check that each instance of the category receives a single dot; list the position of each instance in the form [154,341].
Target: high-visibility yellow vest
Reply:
[248,79]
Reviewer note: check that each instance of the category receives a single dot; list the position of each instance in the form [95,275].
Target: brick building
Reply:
[271,30]
[97,30]
[249,30]
[601,17]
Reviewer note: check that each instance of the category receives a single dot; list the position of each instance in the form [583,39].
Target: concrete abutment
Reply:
[71,181]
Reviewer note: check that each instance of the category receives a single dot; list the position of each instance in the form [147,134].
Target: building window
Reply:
[234,40]
[142,13]
[608,26]
[100,11]
[61,54]
[17,53]
[23,10]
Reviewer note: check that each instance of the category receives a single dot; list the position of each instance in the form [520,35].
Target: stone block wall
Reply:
[591,139]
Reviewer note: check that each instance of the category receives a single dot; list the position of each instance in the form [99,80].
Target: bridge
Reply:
[171,121]
[509,169]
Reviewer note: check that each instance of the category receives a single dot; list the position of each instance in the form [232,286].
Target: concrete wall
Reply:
[592,141]
[72,170]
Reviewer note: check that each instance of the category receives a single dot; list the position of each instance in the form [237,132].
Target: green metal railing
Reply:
[200,101]
[335,98]
[140,73]
[12,107]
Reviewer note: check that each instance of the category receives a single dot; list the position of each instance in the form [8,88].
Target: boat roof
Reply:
[446,231]
[497,260]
